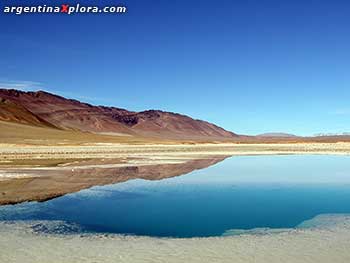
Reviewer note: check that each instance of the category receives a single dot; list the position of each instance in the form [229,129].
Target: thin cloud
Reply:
[20,85]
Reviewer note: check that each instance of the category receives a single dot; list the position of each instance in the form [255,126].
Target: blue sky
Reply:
[248,66]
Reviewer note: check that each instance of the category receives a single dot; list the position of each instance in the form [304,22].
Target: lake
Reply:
[239,193]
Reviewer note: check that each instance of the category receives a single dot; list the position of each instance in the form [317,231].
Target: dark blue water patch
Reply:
[239,193]
[56,228]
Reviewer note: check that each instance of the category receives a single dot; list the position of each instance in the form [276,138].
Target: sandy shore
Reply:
[9,153]
[328,242]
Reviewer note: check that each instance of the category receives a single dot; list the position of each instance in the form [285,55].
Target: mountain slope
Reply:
[12,112]
[45,109]
[65,113]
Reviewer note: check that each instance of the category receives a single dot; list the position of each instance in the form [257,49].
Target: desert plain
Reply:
[38,164]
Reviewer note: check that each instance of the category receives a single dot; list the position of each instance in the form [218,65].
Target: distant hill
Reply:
[44,109]
[277,134]
[332,134]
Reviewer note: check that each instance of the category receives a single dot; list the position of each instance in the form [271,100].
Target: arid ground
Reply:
[37,164]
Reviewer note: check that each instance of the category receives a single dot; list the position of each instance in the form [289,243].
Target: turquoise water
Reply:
[239,193]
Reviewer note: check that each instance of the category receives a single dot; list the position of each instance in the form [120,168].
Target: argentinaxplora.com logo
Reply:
[64,9]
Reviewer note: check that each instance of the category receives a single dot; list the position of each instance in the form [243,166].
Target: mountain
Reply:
[332,134]
[277,134]
[44,109]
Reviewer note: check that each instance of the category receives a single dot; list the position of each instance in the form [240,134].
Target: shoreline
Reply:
[9,152]
[327,241]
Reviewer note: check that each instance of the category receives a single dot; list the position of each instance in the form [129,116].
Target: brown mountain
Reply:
[41,108]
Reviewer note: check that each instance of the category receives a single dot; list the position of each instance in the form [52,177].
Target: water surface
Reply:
[239,193]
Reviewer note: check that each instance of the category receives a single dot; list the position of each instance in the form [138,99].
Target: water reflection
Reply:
[55,182]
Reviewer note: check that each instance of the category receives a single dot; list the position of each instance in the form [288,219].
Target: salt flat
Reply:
[328,241]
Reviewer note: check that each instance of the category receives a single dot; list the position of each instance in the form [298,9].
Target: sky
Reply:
[249,66]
